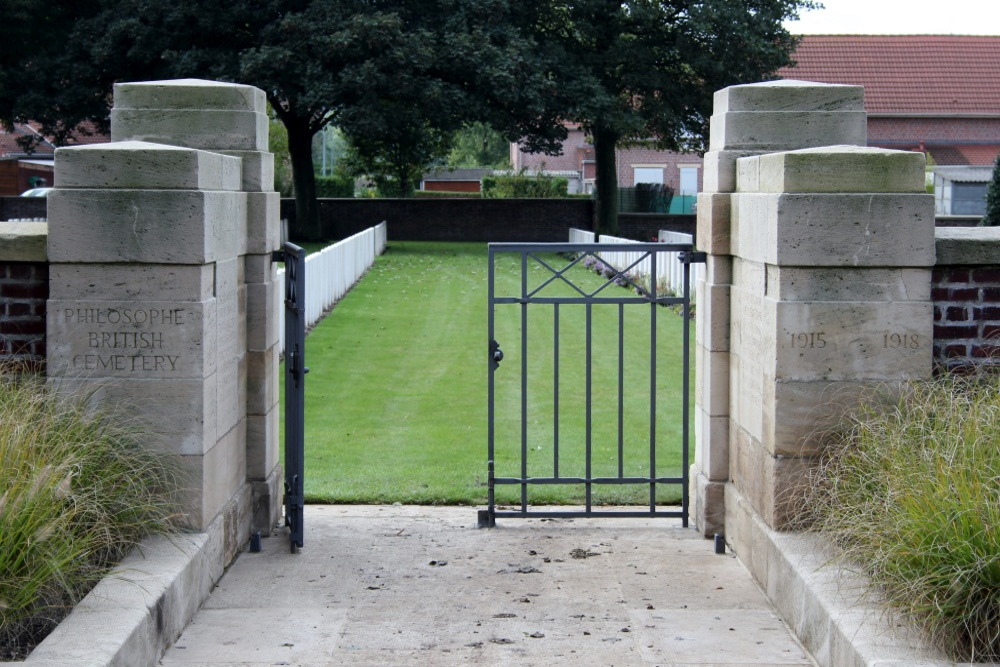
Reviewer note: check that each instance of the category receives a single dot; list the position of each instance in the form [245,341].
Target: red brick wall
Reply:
[24,287]
[451,186]
[966,316]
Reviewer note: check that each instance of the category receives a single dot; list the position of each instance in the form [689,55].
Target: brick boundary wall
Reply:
[479,220]
[966,313]
[966,316]
[24,288]
[965,289]
[22,207]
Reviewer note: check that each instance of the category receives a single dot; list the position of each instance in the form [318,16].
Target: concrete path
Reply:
[403,585]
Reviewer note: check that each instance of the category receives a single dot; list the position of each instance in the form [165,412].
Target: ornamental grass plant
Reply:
[910,489]
[78,490]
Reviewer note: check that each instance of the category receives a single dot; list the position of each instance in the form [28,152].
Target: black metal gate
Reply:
[295,372]
[586,386]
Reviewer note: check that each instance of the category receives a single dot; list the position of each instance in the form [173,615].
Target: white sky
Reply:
[900,17]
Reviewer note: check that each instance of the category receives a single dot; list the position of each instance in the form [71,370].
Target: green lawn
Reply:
[396,398]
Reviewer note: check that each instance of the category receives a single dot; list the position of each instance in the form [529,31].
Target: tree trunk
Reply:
[606,182]
[307,225]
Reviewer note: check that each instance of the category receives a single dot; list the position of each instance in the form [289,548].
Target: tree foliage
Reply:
[385,71]
[522,186]
[394,158]
[400,76]
[277,145]
[479,145]
[646,70]
[992,216]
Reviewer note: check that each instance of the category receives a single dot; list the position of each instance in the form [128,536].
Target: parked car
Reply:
[36,192]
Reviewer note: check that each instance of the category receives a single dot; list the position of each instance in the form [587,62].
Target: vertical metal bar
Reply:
[555,390]
[589,398]
[295,370]
[524,380]
[684,392]
[491,391]
[652,392]
[621,390]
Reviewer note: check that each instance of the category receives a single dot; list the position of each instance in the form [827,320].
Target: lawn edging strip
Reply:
[141,607]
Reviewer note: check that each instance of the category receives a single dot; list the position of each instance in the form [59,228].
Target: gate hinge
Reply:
[693,257]
[278,256]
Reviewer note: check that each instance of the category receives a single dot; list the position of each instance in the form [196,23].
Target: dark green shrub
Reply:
[645,198]
[653,197]
[523,186]
[992,217]
[334,187]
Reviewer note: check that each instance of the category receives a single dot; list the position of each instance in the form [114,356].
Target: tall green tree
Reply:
[479,145]
[645,70]
[359,64]
[394,160]
[293,50]
[456,63]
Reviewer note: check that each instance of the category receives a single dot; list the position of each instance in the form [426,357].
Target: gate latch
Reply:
[496,355]
[693,257]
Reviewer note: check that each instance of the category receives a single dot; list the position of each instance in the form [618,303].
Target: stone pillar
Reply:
[232,120]
[748,120]
[139,238]
[833,249]
[160,285]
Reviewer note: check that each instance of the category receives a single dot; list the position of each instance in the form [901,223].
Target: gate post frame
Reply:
[231,119]
[748,120]
[833,253]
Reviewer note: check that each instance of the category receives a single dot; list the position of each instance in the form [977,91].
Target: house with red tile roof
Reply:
[934,93]
[21,170]
[635,165]
[939,94]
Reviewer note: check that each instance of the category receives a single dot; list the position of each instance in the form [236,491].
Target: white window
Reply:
[648,175]
[689,181]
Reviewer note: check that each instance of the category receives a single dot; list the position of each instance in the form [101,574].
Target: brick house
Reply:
[19,170]
[680,171]
[934,93]
[939,94]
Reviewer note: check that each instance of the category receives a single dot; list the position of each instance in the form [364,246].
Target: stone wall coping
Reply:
[141,607]
[23,241]
[967,245]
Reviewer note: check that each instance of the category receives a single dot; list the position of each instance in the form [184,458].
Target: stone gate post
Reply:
[832,253]
[162,292]
[747,120]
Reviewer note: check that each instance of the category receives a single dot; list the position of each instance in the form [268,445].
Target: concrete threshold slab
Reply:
[406,585]
[825,603]
[139,609]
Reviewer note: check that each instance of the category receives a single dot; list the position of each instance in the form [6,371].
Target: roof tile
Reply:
[951,74]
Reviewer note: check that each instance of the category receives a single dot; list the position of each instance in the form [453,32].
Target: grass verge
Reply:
[396,397]
[78,490]
[911,490]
